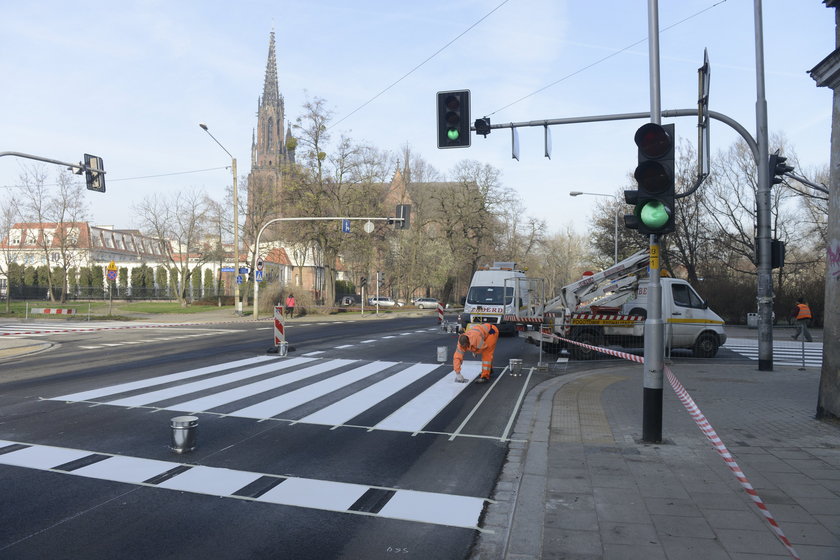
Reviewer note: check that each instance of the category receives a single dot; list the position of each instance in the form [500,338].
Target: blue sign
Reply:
[239,279]
[243,270]
[345,226]
[227,269]
[258,276]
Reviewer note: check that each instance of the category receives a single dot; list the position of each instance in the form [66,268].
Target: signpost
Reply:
[112,277]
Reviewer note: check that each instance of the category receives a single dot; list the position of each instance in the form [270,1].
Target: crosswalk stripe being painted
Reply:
[401,504]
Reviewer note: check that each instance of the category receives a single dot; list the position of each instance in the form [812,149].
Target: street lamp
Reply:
[237,302]
[615,234]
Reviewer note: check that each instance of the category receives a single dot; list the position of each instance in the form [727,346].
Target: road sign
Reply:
[112,266]
[258,276]
[243,270]
[227,269]
[260,263]
[239,279]
[345,226]
[112,274]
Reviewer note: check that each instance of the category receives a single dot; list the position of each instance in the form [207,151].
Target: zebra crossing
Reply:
[394,503]
[330,392]
[785,352]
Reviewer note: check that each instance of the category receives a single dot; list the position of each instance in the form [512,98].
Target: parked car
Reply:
[382,302]
[426,303]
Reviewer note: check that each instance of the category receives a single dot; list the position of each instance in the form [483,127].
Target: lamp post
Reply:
[237,301]
[615,234]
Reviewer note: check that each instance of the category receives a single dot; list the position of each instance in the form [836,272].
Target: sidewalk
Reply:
[579,485]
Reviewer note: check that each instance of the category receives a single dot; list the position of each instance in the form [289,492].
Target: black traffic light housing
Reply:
[94,179]
[403,216]
[453,119]
[653,201]
[362,281]
[778,168]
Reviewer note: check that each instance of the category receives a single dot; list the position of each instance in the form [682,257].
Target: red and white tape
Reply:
[709,432]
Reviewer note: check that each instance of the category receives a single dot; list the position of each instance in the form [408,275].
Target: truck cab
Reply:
[494,293]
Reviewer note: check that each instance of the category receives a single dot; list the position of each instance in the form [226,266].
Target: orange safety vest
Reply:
[804,311]
[483,340]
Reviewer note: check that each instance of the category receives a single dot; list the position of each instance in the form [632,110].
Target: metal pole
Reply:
[654,326]
[237,301]
[615,249]
[763,203]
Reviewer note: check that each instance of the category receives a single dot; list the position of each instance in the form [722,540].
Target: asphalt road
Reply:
[356,445]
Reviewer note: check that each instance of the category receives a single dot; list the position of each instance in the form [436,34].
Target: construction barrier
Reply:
[440,313]
[280,331]
[52,311]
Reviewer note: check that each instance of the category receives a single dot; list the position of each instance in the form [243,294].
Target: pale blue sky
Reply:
[130,82]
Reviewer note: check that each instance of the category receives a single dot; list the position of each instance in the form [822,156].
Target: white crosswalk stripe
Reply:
[785,352]
[399,503]
[254,388]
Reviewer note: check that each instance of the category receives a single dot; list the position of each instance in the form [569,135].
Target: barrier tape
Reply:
[709,432]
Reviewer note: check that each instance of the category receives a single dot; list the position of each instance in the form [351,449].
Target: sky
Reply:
[130,82]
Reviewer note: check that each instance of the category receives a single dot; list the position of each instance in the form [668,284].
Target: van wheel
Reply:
[640,311]
[706,346]
[587,337]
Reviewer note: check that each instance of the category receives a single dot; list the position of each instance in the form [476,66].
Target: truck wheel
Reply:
[587,337]
[640,311]
[706,346]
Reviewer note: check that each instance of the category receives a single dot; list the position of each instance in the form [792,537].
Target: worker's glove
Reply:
[460,378]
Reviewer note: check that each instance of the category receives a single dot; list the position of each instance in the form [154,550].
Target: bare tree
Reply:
[178,223]
[9,215]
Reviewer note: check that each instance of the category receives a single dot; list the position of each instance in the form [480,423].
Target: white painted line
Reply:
[318,494]
[315,353]
[368,341]
[111,344]
[345,409]
[457,432]
[420,410]
[390,336]
[406,334]
[124,469]
[343,346]
[441,509]
[210,480]
[517,405]
[90,347]
[264,329]
[133,385]
[41,457]
[217,381]
[562,360]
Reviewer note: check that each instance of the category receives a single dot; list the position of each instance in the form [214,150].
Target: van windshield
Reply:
[490,295]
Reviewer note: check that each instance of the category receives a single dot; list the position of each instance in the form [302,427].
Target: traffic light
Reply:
[453,119]
[653,202]
[778,168]
[404,212]
[482,126]
[95,180]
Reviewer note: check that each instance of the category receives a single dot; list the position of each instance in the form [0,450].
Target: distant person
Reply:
[801,313]
[290,306]
[478,339]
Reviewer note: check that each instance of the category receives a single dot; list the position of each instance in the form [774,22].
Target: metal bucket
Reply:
[184,430]
[515,366]
[441,354]
[283,348]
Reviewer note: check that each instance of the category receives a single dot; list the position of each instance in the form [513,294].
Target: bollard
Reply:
[183,433]
[515,365]
[441,354]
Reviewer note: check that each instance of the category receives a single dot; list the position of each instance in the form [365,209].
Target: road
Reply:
[357,444]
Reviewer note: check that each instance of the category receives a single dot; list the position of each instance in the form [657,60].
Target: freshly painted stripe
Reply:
[201,385]
[210,480]
[124,469]
[367,341]
[400,504]
[303,395]
[442,509]
[318,494]
[315,353]
[420,410]
[41,457]
[344,346]
[134,385]
[345,409]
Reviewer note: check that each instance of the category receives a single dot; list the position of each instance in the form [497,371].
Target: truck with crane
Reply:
[609,308]
[495,294]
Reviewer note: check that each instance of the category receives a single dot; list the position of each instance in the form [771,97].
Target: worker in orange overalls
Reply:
[480,338]
[801,313]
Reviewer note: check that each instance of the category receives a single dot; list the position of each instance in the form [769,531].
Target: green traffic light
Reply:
[654,214]
[452,134]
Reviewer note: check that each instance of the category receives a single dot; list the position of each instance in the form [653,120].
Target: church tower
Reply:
[272,150]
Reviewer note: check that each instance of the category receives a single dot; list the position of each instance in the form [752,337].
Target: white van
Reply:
[493,294]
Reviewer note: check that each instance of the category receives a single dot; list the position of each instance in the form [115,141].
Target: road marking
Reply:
[355,404]
[344,346]
[400,504]
[457,432]
[315,353]
[785,352]
[367,341]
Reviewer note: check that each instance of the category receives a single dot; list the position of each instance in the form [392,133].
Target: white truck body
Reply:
[494,293]
[609,309]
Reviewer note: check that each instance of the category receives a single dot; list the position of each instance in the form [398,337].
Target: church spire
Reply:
[271,92]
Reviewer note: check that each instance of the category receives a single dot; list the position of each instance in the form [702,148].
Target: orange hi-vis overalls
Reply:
[804,311]
[483,338]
